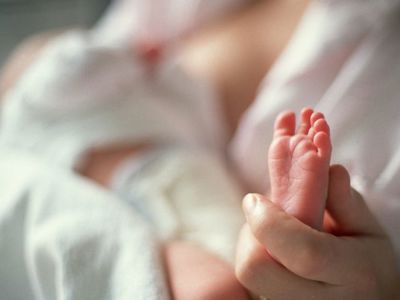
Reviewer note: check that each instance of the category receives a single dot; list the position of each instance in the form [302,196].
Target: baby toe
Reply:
[305,121]
[285,124]
[323,143]
[321,125]
[316,116]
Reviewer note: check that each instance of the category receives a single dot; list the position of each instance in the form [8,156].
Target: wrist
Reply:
[393,288]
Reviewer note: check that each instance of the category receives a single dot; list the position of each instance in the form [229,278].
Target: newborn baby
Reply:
[79,94]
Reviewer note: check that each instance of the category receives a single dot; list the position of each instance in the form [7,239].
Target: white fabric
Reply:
[69,239]
[186,195]
[64,238]
[162,21]
[343,61]
[80,94]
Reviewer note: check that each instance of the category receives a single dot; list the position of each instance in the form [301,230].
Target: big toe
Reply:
[305,124]
[285,124]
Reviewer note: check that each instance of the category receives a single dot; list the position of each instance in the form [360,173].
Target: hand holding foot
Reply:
[351,260]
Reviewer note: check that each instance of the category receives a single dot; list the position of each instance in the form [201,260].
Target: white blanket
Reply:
[62,237]
[342,60]
[80,94]
[167,22]
[65,238]
[186,195]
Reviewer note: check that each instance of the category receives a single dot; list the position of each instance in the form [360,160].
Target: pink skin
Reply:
[195,274]
[150,51]
[299,165]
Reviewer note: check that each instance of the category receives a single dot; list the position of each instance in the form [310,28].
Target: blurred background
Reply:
[22,18]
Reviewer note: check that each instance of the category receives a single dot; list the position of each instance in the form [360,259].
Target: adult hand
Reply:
[279,257]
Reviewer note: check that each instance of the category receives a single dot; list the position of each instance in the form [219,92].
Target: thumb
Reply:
[347,207]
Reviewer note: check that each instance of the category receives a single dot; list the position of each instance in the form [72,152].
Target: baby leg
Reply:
[193,204]
[299,165]
[195,274]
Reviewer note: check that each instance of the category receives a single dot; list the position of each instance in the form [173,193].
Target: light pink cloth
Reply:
[344,61]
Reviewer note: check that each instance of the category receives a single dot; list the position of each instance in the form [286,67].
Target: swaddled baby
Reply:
[81,94]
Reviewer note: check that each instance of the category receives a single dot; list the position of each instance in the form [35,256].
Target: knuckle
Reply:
[244,273]
[310,260]
[367,280]
[267,222]
[369,275]
[247,268]
[261,226]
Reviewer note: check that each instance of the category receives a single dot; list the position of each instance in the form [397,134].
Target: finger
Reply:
[300,248]
[347,207]
[285,124]
[303,250]
[305,123]
[261,274]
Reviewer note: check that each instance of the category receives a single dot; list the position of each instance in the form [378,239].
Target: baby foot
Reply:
[299,165]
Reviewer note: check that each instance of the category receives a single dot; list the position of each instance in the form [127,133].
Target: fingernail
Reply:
[250,202]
